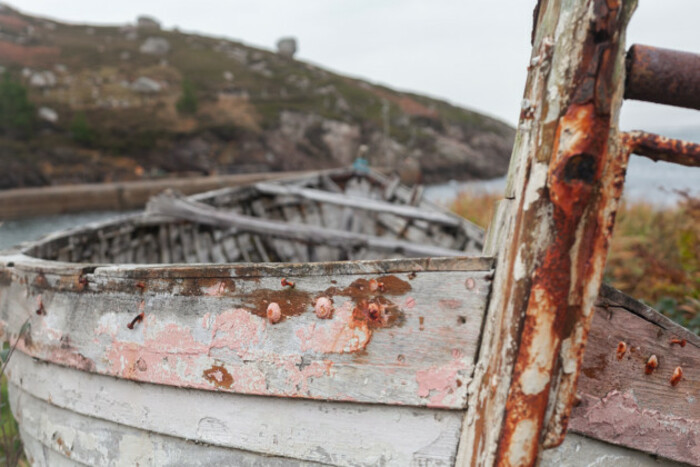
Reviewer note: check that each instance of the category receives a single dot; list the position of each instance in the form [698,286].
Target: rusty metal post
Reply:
[551,233]
[663,76]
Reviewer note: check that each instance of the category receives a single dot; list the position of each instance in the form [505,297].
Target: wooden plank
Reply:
[578,450]
[361,203]
[170,205]
[55,436]
[623,405]
[566,184]
[368,351]
[330,433]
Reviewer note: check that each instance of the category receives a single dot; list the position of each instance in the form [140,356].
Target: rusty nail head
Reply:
[676,376]
[621,349]
[651,365]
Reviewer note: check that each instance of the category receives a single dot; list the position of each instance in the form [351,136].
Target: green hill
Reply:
[135,101]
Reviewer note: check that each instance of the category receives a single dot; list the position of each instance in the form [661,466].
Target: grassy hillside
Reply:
[124,109]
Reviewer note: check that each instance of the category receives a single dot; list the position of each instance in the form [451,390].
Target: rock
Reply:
[125,55]
[287,46]
[228,76]
[147,22]
[155,46]
[42,79]
[60,68]
[48,114]
[145,85]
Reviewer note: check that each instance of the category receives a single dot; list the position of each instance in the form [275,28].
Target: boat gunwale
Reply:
[23,262]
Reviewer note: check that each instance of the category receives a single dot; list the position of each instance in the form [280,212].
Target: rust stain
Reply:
[595,372]
[218,376]
[292,302]
[676,341]
[378,312]
[287,283]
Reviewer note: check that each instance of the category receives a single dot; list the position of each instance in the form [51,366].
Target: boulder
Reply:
[42,79]
[48,114]
[287,46]
[146,85]
[155,46]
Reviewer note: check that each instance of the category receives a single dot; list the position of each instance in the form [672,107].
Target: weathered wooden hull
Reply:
[364,363]
[199,384]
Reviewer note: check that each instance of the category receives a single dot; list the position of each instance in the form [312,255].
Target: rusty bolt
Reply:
[274,313]
[40,309]
[138,319]
[324,307]
[676,376]
[82,282]
[651,365]
[621,349]
[141,286]
[286,283]
[680,342]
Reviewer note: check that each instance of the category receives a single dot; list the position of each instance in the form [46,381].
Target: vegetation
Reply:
[17,114]
[11,451]
[81,131]
[654,255]
[187,103]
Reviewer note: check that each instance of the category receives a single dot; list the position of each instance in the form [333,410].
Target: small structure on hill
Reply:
[287,46]
[147,22]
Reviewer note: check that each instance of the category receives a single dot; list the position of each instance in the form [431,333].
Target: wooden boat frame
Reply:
[473,361]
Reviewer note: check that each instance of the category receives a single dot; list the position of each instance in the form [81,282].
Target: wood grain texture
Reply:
[330,433]
[55,436]
[620,403]
[406,338]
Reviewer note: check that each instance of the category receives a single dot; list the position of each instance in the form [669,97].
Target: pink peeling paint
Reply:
[617,418]
[342,334]
[441,383]
[237,330]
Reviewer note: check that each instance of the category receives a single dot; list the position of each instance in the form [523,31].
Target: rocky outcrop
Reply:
[158,46]
[139,101]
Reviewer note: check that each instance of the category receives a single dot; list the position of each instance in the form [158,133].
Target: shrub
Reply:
[187,103]
[81,131]
[17,114]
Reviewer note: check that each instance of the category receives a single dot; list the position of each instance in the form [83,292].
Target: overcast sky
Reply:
[471,53]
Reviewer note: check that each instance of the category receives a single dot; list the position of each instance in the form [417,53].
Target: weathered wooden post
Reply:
[550,233]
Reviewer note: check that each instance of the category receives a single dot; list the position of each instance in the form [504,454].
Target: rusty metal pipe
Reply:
[663,76]
[661,148]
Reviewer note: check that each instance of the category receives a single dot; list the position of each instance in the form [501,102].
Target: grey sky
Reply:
[472,53]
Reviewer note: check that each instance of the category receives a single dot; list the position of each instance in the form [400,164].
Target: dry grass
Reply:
[654,255]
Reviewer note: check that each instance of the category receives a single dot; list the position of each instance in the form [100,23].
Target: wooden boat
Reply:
[367,361]
[219,330]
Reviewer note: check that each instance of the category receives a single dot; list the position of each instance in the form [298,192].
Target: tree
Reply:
[81,131]
[187,103]
[17,114]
